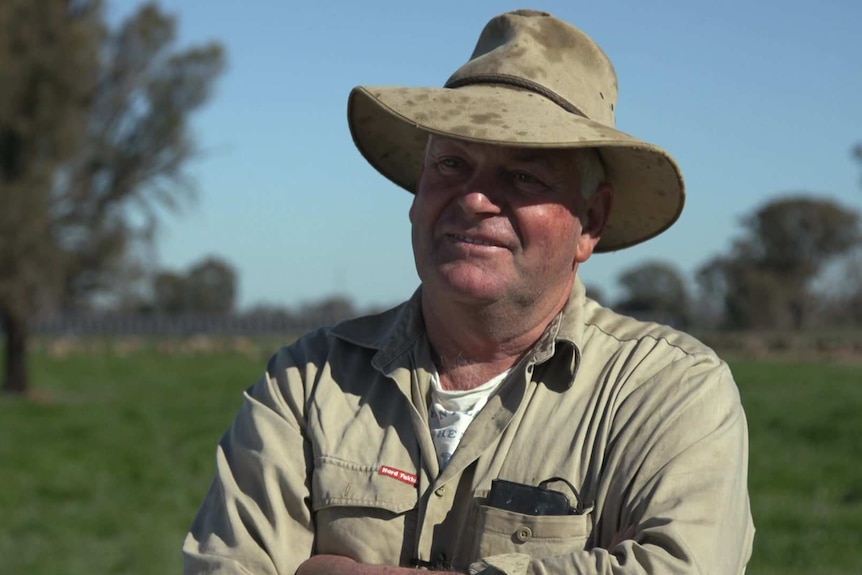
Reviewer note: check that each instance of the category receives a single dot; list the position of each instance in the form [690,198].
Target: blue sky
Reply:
[753,99]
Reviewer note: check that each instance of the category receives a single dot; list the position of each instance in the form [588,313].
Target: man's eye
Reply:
[525,178]
[450,163]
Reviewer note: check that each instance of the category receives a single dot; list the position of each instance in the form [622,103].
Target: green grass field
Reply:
[104,470]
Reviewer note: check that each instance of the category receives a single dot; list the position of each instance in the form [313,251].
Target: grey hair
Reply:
[592,170]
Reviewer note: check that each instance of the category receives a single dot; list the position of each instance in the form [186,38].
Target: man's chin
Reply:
[470,285]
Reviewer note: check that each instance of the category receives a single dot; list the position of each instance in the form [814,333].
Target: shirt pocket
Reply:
[361,513]
[499,531]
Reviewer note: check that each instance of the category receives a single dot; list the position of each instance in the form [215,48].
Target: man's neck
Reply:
[471,344]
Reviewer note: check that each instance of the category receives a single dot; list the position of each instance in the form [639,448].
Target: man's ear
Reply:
[595,215]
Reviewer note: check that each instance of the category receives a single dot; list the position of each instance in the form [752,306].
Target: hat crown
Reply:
[561,60]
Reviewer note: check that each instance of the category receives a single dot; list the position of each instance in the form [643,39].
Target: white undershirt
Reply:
[450,413]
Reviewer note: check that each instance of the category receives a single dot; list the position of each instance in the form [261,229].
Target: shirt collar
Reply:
[391,333]
[396,331]
[565,333]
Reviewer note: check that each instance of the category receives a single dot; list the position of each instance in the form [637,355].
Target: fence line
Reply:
[181,325]
[175,325]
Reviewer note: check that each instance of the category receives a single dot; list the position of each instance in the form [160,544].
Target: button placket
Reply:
[437,507]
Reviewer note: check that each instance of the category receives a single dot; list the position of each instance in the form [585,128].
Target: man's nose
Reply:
[482,193]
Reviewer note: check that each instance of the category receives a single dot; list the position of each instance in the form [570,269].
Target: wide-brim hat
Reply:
[533,81]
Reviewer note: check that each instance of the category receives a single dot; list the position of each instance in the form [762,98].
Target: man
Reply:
[380,444]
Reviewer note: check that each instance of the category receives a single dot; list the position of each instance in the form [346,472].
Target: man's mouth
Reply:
[474,241]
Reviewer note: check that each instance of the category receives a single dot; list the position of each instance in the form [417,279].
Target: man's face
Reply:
[495,223]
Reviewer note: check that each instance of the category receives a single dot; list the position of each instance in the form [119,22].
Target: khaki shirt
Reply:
[331,453]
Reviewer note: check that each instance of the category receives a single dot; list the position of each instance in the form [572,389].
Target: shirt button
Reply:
[441,491]
[523,534]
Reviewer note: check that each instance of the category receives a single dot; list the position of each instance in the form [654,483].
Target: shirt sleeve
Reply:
[677,501]
[256,518]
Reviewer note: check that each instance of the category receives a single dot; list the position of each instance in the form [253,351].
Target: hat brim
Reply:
[390,127]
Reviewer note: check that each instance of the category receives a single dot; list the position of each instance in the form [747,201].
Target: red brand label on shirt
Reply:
[402,476]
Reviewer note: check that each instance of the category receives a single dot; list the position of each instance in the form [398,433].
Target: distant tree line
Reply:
[796,264]
[209,288]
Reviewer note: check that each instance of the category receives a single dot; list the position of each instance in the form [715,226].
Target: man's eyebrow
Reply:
[541,157]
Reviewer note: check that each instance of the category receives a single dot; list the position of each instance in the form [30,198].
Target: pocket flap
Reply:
[339,483]
[544,527]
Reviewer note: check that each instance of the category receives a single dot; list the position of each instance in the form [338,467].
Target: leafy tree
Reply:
[655,289]
[209,287]
[751,296]
[840,289]
[136,148]
[212,285]
[48,67]
[93,140]
[169,293]
[794,237]
[765,281]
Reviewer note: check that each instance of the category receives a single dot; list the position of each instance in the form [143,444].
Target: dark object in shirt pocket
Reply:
[528,499]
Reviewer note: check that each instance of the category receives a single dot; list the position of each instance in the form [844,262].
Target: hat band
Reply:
[519,83]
